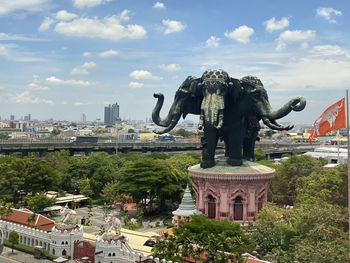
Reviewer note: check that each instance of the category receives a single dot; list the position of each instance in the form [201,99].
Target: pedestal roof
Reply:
[222,171]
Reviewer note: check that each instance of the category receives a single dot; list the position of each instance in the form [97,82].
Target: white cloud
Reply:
[64,15]
[79,71]
[124,15]
[12,52]
[212,42]
[327,13]
[45,25]
[289,36]
[159,5]
[9,6]
[63,102]
[89,65]
[134,84]
[56,81]
[327,50]
[26,98]
[78,103]
[108,28]
[16,37]
[87,3]
[170,67]
[35,85]
[172,26]
[87,54]
[273,24]
[108,53]
[83,70]
[241,34]
[143,74]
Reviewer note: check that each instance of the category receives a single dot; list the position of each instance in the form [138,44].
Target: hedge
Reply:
[29,249]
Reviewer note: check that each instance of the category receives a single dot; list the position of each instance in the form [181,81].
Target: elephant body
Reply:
[229,109]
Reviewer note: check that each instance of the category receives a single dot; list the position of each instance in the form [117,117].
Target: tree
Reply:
[147,179]
[183,161]
[39,176]
[55,132]
[283,185]
[61,162]
[131,130]
[11,179]
[13,239]
[37,203]
[259,154]
[325,185]
[110,192]
[310,232]
[217,240]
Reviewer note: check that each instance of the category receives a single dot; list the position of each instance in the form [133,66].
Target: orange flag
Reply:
[333,118]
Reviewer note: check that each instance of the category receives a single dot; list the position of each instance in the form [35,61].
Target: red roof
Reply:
[20,217]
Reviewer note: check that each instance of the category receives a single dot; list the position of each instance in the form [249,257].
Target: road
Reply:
[7,260]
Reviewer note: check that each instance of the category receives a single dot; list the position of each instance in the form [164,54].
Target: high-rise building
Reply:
[28,117]
[84,117]
[12,117]
[111,114]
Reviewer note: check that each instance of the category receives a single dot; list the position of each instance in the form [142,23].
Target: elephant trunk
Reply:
[270,116]
[295,104]
[170,118]
[171,125]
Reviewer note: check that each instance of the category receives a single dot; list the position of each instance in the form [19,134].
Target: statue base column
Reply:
[231,192]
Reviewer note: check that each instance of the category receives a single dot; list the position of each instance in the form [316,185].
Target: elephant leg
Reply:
[209,143]
[250,138]
[235,144]
[248,146]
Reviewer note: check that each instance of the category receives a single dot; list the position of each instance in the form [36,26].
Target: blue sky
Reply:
[63,58]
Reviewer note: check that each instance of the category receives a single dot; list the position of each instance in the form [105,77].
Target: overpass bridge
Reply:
[273,150]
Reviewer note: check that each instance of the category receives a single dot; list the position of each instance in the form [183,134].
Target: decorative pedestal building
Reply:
[231,192]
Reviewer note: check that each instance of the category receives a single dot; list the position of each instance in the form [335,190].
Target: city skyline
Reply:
[60,59]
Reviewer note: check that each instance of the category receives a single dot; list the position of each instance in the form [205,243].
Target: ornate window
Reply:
[211,207]
[238,208]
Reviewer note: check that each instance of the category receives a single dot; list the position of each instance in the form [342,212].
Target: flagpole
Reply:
[348,161]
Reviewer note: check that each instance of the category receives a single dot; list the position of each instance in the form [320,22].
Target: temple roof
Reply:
[187,206]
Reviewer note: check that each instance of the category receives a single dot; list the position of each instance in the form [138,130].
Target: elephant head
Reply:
[254,88]
[187,100]
[216,86]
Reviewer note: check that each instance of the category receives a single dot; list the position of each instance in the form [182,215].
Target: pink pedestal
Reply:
[231,192]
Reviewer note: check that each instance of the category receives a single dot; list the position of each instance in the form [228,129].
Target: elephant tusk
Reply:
[275,126]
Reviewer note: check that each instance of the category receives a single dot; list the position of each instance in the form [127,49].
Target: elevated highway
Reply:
[42,146]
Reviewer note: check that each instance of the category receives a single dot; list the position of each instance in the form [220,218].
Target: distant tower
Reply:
[111,114]
[12,117]
[29,117]
[84,117]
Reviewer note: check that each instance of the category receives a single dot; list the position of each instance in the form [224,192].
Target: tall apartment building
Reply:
[111,114]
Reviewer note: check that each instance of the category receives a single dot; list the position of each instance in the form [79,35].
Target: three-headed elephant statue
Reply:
[229,109]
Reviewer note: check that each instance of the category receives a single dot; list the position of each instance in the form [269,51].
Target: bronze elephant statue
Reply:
[229,109]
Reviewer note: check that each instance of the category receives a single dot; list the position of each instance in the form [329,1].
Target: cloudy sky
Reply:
[63,58]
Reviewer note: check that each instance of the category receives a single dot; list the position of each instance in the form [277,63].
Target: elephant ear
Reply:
[195,97]
[235,90]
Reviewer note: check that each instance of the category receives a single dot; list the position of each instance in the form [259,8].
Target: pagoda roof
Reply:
[187,206]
